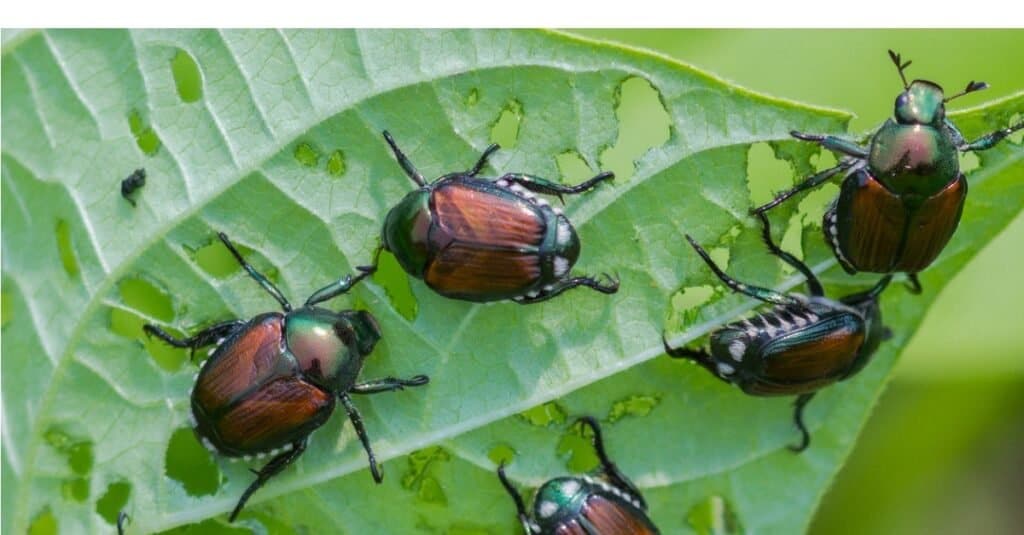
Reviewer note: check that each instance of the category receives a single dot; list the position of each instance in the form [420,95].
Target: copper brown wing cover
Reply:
[871,233]
[274,415]
[240,363]
[492,242]
[931,226]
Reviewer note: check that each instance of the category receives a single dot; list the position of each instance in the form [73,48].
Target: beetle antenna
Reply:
[813,284]
[262,280]
[900,66]
[972,86]
[409,168]
[516,497]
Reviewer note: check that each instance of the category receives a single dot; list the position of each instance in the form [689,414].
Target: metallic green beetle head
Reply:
[330,347]
[921,103]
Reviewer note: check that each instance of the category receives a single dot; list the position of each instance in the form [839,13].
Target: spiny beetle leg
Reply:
[388,384]
[798,418]
[268,471]
[610,287]
[357,423]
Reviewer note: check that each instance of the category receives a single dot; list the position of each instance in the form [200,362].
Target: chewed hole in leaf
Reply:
[66,249]
[1018,136]
[572,168]
[44,523]
[544,415]
[577,448]
[145,137]
[473,97]
[638,405]
[143,296]
[969,161]
[306,154]
[713,516]
[644,124]
[501,454]
[685,306]
[113,501]
[336,163]
[419,479]
[79,456]
[766,174]
[6,306]
[216,260]
[505,130]
[187,78]
[812,207]
[395,282]
[75,489]
[189,463]
[129,325]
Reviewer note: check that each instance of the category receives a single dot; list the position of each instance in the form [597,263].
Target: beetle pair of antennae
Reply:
[972,86]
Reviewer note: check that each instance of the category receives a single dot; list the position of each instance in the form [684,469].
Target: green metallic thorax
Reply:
[330,347]
[406,231]
[913,159]
[565,496]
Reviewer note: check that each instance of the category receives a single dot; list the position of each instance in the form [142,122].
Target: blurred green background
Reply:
[944,449]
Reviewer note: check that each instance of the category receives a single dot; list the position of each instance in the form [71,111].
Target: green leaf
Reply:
[274,138]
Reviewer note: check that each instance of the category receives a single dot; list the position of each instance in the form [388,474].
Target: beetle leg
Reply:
[610,287]
[609,468]
[407,166]
[913,284]
[483,159]
[813,284]
[812,182]
[256,275]
[357,423]
[528,525]
[388,384]
[762,294]
[989,140]
[834,144]
[340,286]
[547,187]
[203,338]
[798,418]
[701,357]
[121,518]
[268,471]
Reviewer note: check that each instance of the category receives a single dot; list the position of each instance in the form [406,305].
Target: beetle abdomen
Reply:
[247,358]
[275,414]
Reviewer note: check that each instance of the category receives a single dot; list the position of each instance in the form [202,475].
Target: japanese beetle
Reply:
[271,381]
[482,240]
[606,503]
[902,195]
[132,183]
[803,344]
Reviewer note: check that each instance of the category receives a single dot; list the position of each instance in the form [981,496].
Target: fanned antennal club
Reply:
[896,59]
[972,86]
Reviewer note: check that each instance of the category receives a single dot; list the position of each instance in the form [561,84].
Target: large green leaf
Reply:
[274,138]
